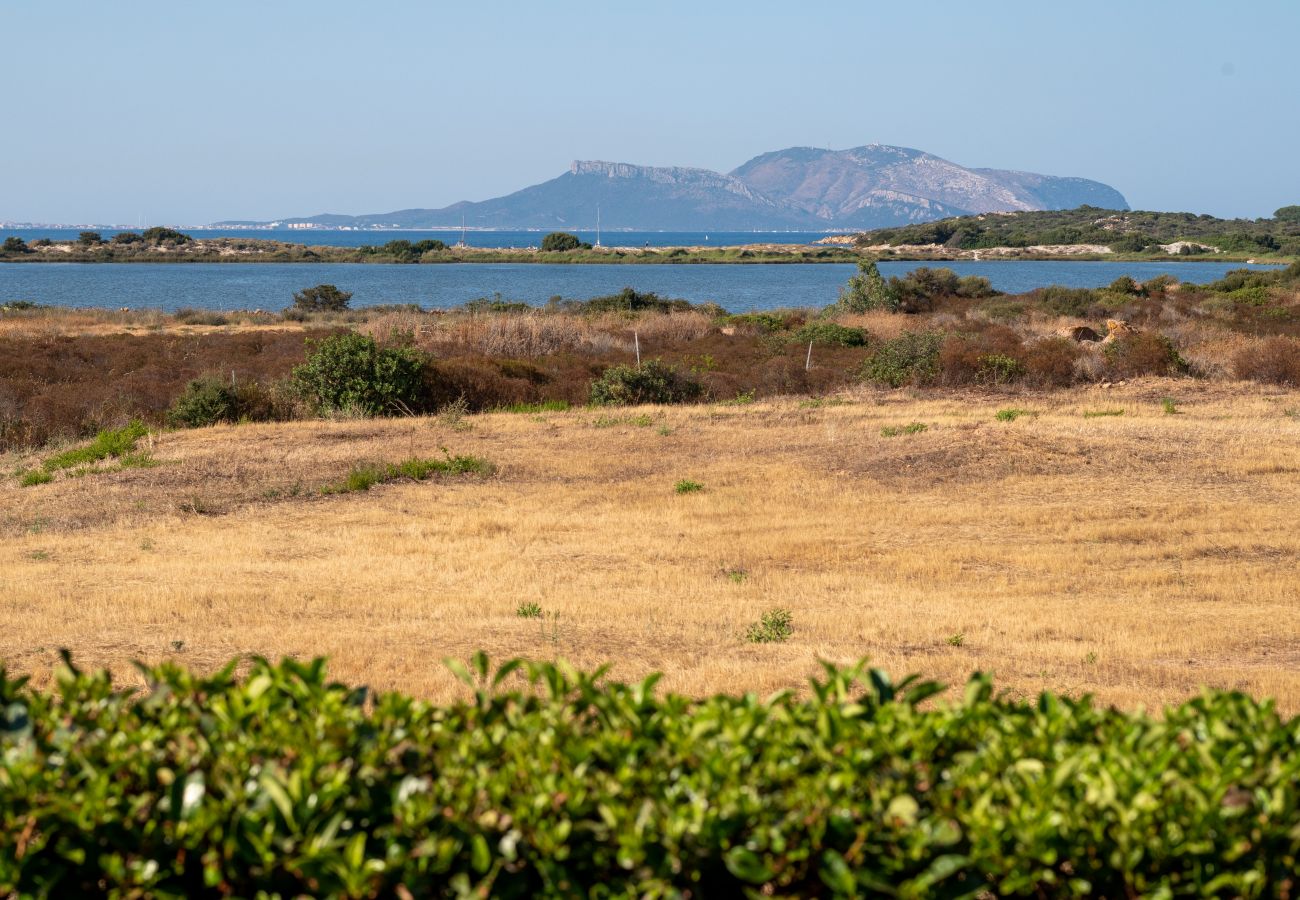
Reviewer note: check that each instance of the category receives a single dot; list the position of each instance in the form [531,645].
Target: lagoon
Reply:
[738,288]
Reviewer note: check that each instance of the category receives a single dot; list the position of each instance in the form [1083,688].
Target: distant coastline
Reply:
[831,250]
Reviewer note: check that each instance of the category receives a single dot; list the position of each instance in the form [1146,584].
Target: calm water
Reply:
[473,238]
[738,288]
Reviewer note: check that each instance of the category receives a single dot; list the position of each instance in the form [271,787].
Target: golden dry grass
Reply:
[1137,556]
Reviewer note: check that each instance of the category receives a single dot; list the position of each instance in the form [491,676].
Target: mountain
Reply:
[800,188]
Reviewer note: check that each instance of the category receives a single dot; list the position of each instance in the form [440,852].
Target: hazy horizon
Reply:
[118,115]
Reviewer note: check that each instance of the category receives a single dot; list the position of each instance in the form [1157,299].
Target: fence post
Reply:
[636,337]
[807,365]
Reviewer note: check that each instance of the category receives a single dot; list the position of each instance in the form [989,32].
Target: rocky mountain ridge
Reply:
[799,188]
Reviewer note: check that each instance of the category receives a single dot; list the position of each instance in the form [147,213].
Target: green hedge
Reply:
[547,781]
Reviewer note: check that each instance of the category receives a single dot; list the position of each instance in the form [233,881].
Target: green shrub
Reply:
[159,235]
[917,290]
[686,486]
[530,610]
[866,291]
[652,382]
[549,781]
[1010,414]
[830,333]
[773,627]
[910,358]
[321,298]
[562,242]
[205,401]
[351,372]
[108,444]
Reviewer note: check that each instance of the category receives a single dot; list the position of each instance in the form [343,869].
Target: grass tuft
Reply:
[896,430]
[110,443]
[686,486]
[364,477]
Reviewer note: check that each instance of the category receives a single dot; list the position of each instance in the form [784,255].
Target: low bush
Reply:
[686,486]
[1051,362]
[830,333]
[918,290]
[206,401]
[1143,353]
[282,782]
[1274,360]
[187,316]
[350,372]
[652,382]
[910,358]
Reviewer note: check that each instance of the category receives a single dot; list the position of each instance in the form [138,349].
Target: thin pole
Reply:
[807,365]
[636,337]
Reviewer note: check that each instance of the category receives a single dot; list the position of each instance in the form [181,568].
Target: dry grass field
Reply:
[1136,556]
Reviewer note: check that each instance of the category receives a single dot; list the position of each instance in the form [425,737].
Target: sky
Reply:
[193,113]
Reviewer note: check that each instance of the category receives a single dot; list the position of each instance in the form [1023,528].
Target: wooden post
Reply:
[636,337]
[807,365]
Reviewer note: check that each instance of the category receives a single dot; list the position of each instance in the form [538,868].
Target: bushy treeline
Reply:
[1122,231]
[548,781]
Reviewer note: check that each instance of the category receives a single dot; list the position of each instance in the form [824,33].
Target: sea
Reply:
[736,287]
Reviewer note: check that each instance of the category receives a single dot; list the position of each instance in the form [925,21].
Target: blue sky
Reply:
[190,113]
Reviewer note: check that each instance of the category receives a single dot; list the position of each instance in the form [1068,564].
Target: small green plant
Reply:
[742,398]
[773,627]
[1101,413]
[34,477]
[453,414]
[686,486]
[1292,413]
[1010,414]
[1169,406]
[529,610]
[896,430]
[107,444]
[1091,658]
[956,640]
[39,555]
[664,431]
[736,576]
